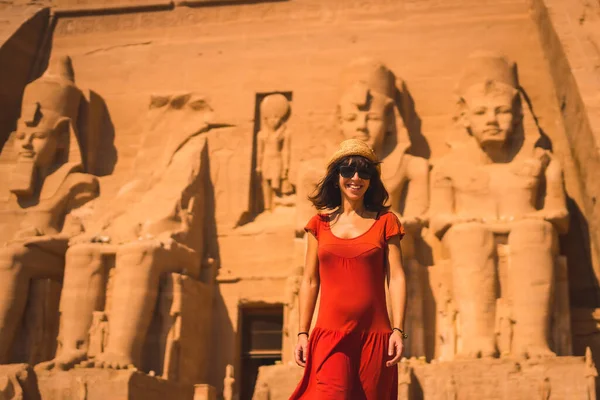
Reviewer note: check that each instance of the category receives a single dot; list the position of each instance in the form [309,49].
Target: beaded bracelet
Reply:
[404,335]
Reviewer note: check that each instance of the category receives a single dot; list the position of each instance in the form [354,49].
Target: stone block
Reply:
[103,384]
[502,379]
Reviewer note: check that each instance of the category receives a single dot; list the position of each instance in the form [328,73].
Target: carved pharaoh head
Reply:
[45,137]
[365,110]
[274,111]
[489,100]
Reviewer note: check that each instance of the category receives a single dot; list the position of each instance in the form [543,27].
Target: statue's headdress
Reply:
[487,68]
[51,99]
[275,105]
[368,81]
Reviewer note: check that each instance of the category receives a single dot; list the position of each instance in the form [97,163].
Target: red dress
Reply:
[348,347]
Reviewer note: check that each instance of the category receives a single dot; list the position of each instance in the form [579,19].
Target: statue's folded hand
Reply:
[442,222]
[558,217]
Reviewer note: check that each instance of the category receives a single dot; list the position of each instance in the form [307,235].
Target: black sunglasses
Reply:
[348,171]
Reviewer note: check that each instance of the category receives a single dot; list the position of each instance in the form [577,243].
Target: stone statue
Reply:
[273,148]
[156,228]
[291,314]
[504,327]
[48,182]
[545,389]
[499,186]
[447,326]
[368,111]
[404,380]
[228,383]
[98,333]
[451,389]
[10,389]
[591,373]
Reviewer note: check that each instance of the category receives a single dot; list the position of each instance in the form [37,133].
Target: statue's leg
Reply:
[139,266]
[83,292]
[473,259]
[267,194]
[414,299]
[18,265]
[533,246]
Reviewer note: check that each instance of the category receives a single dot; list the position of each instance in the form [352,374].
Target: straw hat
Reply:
[353,147]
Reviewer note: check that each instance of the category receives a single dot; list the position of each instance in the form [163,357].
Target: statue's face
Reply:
[37,145]
[490,116]
[272,122]
[367,122]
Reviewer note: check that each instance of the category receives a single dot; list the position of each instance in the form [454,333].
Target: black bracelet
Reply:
[404,335]
[303,333]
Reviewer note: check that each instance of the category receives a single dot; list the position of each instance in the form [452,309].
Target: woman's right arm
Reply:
[309,290]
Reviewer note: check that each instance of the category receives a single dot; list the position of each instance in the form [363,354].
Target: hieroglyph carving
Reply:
[48,181]
[499,187]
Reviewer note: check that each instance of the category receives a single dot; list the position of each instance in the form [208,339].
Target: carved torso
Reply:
[493,191]
[272,160]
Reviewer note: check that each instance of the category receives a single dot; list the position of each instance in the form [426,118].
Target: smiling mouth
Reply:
[354,187]
[26,154]
[492,131]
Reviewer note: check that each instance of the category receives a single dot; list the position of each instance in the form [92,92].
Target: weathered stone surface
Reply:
[210,70]
[563,377]
[95,384]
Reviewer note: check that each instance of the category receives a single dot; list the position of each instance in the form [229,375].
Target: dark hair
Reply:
[327,194]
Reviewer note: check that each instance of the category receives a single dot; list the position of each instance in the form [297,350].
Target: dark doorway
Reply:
[261,328]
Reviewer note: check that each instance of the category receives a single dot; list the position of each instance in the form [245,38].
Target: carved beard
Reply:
[24,178]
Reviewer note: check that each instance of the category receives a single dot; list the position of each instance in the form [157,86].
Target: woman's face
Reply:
[354,181]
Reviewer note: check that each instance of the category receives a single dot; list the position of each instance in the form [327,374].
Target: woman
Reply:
[353,350]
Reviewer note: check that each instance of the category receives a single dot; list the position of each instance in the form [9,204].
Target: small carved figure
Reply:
[451,389]
[544,389]
[228,383]
[447,326]
[503,326]
[591,373]
[291,316]
[98,333]
[273,148]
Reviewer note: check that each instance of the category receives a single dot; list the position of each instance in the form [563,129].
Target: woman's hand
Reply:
[395,347]
[301,350]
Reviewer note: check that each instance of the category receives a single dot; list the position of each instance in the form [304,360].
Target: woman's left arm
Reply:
[397,286]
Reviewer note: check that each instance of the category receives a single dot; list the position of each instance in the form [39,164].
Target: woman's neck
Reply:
[349,207]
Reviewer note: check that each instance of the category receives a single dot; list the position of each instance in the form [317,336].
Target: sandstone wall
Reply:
[22,31]
[234,51]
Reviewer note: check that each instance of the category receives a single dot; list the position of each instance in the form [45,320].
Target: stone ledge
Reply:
[501,379]
[102,384]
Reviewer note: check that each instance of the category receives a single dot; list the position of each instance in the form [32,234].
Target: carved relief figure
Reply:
[499,186]
[157,228]
[291,313]
[228,383]
[367,111]
[273,148]
[48,182]
[591,373]
[447,326]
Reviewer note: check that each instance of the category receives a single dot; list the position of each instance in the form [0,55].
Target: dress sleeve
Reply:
[393,226]
[313,226]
